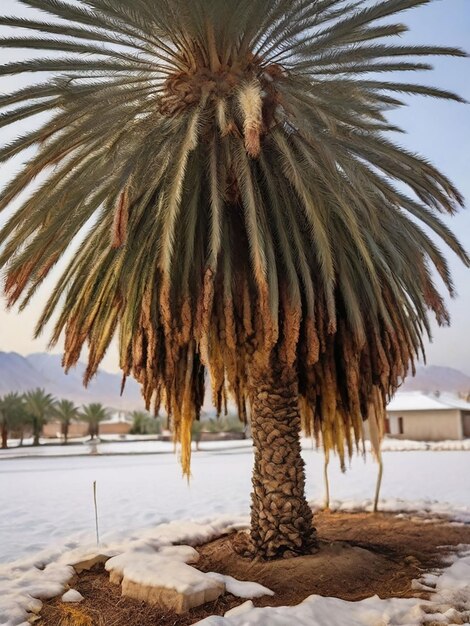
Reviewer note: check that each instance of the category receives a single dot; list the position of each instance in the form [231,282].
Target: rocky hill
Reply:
[437,378]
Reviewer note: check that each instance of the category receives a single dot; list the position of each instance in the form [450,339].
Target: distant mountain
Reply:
[437,378]
[19,373]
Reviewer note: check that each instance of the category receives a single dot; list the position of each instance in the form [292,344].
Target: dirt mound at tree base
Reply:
[361,555]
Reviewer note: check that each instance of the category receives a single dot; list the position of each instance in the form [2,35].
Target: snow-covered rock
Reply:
[165,577]
[72,595]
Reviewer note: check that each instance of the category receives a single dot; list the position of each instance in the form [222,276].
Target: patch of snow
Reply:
[169,567]
[72,595]
[241,608]
[241,588]
[426,509]
[112,446]
[321,611]
[454,578]
[185,554]
[23,588]
[158,571]
[24,583]
[408,445]
[392,444]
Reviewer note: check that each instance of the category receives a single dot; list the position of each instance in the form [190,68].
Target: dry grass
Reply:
[72,616]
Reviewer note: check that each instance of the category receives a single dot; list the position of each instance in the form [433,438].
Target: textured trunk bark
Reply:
[281,520]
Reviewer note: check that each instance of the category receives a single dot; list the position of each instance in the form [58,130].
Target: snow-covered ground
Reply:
[46,510]
[47,500]
[146,444]
[149,558]
[111,445]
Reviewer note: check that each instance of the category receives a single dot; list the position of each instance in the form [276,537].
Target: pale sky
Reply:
[438,130]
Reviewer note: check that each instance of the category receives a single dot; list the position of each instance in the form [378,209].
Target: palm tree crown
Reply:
[66,412]
[10,405]
[93,414]
[12,415]
[39,406]
[247,201]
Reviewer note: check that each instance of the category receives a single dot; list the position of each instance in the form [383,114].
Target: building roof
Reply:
[420,401]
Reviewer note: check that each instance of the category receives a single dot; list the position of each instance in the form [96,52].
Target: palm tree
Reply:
[39,406]
[66,412]
[21,424]
[196,433]
[247,209]
[12,415]
[93,414]
[4,423]
[144,424]
[17,417]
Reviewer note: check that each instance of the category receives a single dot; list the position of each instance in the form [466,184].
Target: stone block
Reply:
[171,599]
[87,564]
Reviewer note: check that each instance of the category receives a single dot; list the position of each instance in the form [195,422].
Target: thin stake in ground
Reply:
[327,482]
[96,514]
[379,483]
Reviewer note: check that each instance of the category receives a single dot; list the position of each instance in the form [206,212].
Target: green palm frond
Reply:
[39,405]
[243,199]
[66,411]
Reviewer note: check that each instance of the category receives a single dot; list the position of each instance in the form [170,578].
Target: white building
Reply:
[428,417]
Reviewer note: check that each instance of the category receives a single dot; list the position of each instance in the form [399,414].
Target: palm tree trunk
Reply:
[4,436]
[281,520]
[36,432]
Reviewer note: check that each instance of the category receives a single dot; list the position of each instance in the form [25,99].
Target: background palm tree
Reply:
[196,433]
[12,415]
[66,412]
[93,414]
[4,422]
[39,406]
[21,423]
[251,215]
[144,424]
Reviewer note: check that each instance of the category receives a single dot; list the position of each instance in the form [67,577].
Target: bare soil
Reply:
[361,554]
